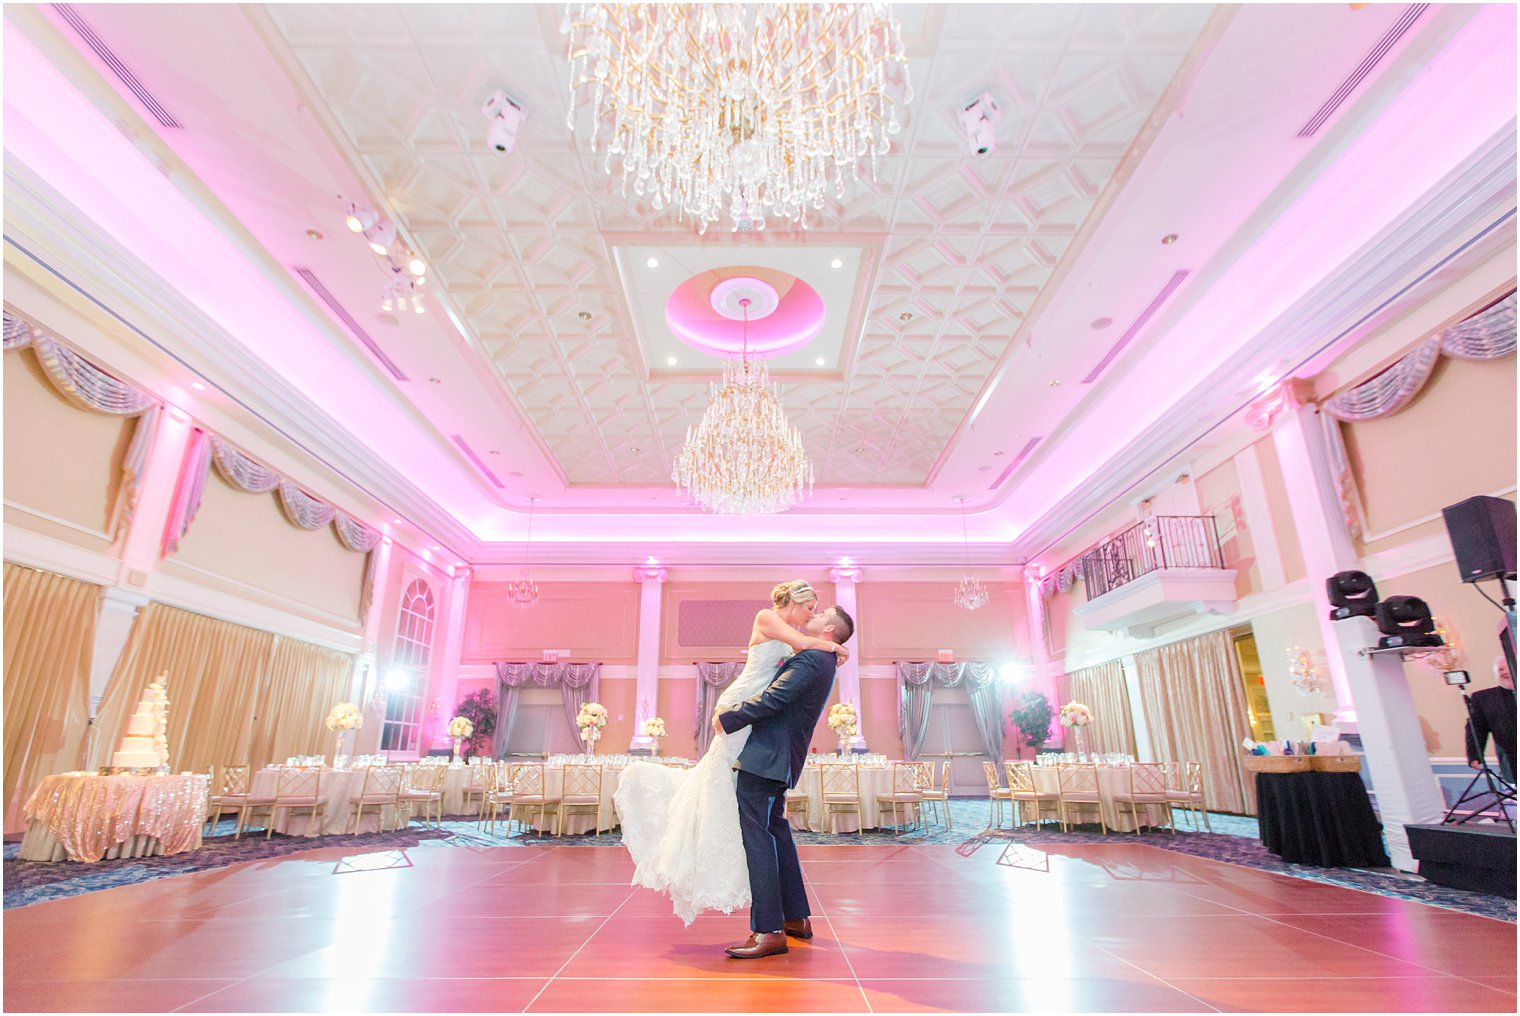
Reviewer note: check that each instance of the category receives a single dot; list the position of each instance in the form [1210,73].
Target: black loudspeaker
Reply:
[1482,532]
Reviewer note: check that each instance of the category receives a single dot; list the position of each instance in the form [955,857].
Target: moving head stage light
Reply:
[1405,621]
[1352,594]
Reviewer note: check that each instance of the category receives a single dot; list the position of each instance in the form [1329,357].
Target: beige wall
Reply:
[598,622]
[1219,496]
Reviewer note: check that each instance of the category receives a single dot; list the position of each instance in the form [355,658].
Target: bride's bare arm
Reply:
[769,624]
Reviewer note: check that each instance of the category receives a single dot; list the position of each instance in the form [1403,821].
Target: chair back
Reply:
[1195,778]
[990,771]
[232,779]
[923,778]
[1020,777]
[423,778]
[299,783]
[583,782]
[839,778]
[809,774]
[1077,778]
[1173,775]
[1147,778]
[476,781]
[944,778]
[525,779]
[380,781]
[906,777]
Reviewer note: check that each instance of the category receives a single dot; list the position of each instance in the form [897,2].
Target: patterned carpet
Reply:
[1233,839]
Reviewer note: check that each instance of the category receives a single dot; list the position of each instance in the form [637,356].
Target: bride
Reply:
[682,825]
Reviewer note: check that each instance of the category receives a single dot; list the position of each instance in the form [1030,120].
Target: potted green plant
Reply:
[480,709]
[1032,716]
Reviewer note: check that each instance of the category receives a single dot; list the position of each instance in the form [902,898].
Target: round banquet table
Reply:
[873,780]
[1112,780]
[580,822]
[87,817]
[1318,818]
[339,788]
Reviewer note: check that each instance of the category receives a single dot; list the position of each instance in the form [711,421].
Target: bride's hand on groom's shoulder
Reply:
[842,652]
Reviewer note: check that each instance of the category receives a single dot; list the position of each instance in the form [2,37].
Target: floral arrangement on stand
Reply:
[654,728]
[591,719]
[844,723]
[1077,716]
[345,716]
[460,728]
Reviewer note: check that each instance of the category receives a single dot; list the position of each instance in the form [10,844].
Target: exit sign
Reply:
[947,656]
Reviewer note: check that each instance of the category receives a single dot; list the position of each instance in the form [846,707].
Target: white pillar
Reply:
[1144,752]
[371,694]
[844,579]
[1258,512]
[646,695]
[1383,715]
[1041,675]
[142,546]
[446,675]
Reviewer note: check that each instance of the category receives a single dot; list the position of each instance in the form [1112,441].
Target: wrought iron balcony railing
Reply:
[1166,541]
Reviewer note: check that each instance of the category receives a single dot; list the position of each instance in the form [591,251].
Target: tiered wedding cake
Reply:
[146,744]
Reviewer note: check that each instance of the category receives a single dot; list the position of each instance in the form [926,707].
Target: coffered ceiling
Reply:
[991,316]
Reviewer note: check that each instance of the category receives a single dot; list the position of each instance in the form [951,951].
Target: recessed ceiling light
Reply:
[984,469]
[1102,323]
[906,315]
[653,262]
[417,266]
[435,380]
[635,449]
[495,452]
[436,547]
[836,263]
[516,474]
[1169,239]
[312,234]
[844,499]
[670,361]
[820,361]
[584,315]
[396,521]
[860,449]
[996,454]
[197,386]
[1056,383]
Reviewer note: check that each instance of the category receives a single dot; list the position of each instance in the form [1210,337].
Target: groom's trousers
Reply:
[775,874]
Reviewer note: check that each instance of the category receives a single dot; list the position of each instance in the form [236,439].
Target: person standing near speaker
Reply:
[1493,712]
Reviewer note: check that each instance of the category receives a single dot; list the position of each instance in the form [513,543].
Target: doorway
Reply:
[1258,709]
[541,725]
[953,736]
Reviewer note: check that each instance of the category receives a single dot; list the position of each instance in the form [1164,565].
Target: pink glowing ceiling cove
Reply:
[784,312]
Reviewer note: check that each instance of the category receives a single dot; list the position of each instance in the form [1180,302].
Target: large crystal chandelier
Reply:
[970,594]
[523,591]
[744,458]
[738,108]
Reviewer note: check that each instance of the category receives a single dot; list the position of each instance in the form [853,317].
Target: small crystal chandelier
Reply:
[738,108]
[744,458]
[523,591]
[970,594]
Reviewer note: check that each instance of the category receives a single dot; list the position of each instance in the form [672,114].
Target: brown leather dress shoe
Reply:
[767,943]
[802,929]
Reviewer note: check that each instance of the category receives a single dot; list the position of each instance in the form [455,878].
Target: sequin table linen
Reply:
[87,817]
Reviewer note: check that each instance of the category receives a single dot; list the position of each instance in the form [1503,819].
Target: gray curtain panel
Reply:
[578,684]
[712,678]
[916,682]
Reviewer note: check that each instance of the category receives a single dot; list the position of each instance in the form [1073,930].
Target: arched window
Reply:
[407,680]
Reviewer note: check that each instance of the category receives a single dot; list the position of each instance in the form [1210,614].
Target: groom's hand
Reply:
[717,726]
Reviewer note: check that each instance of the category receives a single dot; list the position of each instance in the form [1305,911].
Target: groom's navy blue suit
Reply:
[782,717]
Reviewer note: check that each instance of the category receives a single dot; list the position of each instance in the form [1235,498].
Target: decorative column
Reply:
[371,692]
[446,674]
[143,542]
[1041,677]
[844,579]
[1371,692]
[646,692]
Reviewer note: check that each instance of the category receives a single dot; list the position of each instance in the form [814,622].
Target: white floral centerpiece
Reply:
[844,723]
[591,719]
[1077,716]
[345,716]
[654,729]
[460,728]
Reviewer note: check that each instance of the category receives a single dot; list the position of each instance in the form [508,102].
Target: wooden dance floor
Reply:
[1111,927]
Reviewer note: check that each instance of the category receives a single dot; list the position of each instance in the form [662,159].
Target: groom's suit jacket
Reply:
[783,717]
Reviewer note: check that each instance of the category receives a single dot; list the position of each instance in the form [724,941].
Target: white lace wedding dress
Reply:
[682,825]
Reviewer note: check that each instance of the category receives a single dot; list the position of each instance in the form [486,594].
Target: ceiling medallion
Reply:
[970,594]
[737,108]
[744,458]
[523,591]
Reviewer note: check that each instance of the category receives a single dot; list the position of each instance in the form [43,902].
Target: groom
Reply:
[783,717]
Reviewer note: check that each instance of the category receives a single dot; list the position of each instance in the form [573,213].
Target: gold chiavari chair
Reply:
[1023,790]
[932,795]
[475,788]
[381,789]
[525,782]
[798,799]
[1078,783]
[839,784]
[230,790]
[1187,793]
[423,785]
[582,790]
[996,795]
[902,796]
[498,795]
[294,789]
[1147,788]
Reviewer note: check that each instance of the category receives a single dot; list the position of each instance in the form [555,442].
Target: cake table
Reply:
[86,817]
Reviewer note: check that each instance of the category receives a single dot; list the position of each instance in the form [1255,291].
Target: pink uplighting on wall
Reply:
[796,320]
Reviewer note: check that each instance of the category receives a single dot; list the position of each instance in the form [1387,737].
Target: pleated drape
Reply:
[1195,708]
[304,682]
[49,636]
[1103,691]
[215,669]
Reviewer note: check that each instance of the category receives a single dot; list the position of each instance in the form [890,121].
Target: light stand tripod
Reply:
[1495,792]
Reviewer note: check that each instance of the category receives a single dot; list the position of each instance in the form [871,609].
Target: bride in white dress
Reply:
[682,825]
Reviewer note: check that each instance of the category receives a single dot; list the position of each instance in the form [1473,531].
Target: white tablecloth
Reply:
[873,780]
[1111,780]
[580,821]
[339,788]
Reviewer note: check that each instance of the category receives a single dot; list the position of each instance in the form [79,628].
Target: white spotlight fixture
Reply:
[397,679]
[417,266]
[836,263]
[504,117]
[653,262]
[977,119]
[359,219]
[381,236]
[819,362]
[670,361]
[197,386]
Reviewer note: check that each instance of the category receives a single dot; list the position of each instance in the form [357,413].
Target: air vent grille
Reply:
[1139,323]
[111,60]
[469,453]
[310,278]
[1369,63]
[1018,460]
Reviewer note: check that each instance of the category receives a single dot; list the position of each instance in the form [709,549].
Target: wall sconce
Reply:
[1306,680]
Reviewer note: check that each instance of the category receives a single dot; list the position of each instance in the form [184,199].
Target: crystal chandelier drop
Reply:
[523,591]
[744,458]
[738,108]
[970,594]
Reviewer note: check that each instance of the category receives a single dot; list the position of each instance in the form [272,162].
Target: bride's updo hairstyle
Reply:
[795,591]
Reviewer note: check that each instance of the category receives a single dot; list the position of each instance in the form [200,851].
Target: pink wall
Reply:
[598,622]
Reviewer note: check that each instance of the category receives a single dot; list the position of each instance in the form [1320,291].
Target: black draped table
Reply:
[1319,818]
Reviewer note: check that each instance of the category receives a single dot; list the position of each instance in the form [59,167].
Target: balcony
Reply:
[1166,569]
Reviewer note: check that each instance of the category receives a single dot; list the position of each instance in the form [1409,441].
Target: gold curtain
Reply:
[214,672]
[1195,709]
[1103,691]
[49,637]
[303,684]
